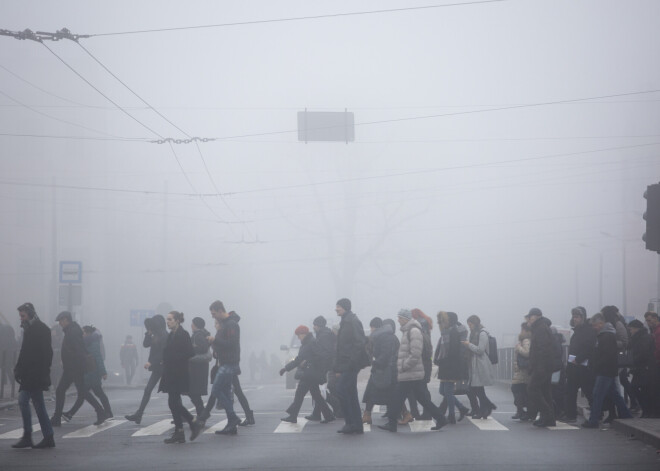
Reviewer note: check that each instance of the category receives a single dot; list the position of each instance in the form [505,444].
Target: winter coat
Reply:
[605,360]
[642,348]
[327,342]
[453,364]
[582,343]
[227,343]
[155,339]
[351,341]
[198,365]
[521,375]
[73,349]
[310,361]
[656,337]
[93,347]
[178,350]
[621,336]
[481,369]
[32,370]
[410,366]
[542,348]
[383,366]
[128,355]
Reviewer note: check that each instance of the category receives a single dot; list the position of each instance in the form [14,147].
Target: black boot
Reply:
[56,421]
[177,437]
[389,426]
[100,417]
[249,418]
[47,442]
[24,442]
[290,418]
[439,423]
[137,418]
[196,428]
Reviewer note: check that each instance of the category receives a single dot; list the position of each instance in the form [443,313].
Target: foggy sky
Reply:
[464,200]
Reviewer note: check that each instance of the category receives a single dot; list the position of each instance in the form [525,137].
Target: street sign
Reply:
[70,272]
[138,316]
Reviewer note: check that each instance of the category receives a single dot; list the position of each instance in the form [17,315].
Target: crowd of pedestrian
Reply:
[615,364]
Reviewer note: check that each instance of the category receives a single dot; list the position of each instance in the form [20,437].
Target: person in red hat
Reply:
[310,374]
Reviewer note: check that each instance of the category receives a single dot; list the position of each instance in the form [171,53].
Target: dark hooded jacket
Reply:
[642,347]
[541,350]
[93,347]
[351,342]
[227,343]
[449,356]
[155,339]
[178,350]
[32,370]
[327,341]
[199,364]
[605,360]
[383,366]
[309,360]
[73,349]
[582,343]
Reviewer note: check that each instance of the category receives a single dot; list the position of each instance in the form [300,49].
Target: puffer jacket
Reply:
[481,369]
[521,376]
[409,360]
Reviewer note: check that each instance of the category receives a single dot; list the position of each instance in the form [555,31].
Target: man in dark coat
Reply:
[541,354]
[199,364]
[32,371]
[382,381]
[327,341]
[311,373]
[351,357]
[642,348]
[580,351]
[73,366]
[605,367]
[155,339]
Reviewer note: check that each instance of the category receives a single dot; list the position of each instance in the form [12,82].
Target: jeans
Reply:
[37,398]
[238,391]
[222,389]
[98,390]
[348,398]
[603,388]
[151,384]
[447,392]
[301,391]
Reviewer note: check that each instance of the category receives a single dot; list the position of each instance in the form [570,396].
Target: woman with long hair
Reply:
[481,369]
[452,361]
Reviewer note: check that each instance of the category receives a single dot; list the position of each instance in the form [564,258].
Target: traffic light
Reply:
[652,217]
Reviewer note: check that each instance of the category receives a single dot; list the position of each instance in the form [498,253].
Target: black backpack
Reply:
[492,349]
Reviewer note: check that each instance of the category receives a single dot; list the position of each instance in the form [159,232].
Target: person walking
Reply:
[382,381]
[481,369]
[541,354]
[227,347]
[327,341]
[653,322]
[350,358]
[199,364]
[642,347]
[579,374]
[410,374]
[128,357]
[155,339]
[521,372]
[176,380]
[32,372]
[311,373]
[73,369]
[453,364]
[605,368]
[94,372]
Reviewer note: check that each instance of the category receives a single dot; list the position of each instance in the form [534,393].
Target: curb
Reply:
[645,430]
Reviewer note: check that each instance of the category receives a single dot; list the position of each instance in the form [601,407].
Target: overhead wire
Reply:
[299,18]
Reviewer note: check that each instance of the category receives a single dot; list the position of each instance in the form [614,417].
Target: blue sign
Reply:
[70,272]
[139,315]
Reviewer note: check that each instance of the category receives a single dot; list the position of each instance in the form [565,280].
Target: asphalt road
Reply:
[496,444]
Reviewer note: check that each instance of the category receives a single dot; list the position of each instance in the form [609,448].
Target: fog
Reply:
[501,154]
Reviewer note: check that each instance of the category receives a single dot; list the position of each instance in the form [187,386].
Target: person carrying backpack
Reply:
[481,369]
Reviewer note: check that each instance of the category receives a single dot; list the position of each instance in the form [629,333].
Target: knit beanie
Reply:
[405,313]
[320,321]
[302,329]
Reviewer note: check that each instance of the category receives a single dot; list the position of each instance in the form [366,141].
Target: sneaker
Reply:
[290,418]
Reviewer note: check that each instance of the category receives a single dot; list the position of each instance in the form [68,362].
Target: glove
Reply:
[282,371]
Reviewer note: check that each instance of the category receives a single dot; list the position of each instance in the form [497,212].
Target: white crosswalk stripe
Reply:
[288,427]
[421,425]
[155,429]
[219,426]
[18,433]
[563,426]
[488,425]
[91,430]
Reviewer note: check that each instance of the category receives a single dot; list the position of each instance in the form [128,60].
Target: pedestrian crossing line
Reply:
[154,429]
[367,427]
[563,426]
[288,427]
[91,430]
[488,425]
[421,425]
[219,426]
[18,433]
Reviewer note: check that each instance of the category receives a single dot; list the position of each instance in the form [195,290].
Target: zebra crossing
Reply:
[266,425]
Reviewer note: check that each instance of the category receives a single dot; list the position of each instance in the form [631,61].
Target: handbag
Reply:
[461,387]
